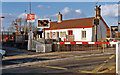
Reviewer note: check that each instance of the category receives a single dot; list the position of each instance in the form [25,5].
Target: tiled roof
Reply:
[74,23]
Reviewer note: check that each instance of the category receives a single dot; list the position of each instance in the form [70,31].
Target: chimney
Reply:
[59,17]
[97,11]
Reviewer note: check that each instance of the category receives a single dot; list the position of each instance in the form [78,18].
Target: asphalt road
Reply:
[90,64]
[78,62]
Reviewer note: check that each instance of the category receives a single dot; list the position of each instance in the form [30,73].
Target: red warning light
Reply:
[39,22]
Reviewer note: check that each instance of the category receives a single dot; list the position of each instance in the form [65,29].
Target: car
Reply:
[2,53]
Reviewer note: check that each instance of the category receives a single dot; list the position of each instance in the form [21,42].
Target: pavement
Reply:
[94,61]
[11,51]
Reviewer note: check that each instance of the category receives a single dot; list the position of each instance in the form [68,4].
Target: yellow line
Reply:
[107,69]
[86,71]
[97,69]
[111,56]
[53,67]
[99,72]
[106,61]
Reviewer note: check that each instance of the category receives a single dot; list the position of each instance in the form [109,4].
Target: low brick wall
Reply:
[75,47]
[20,45]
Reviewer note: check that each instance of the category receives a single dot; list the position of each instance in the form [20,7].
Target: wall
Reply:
[76,32]
[101,31]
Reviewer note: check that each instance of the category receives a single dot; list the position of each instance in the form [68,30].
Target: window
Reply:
[64,34]
[50,34]
[83,34]
[70,32]
[54,35]
[47,35]
[57,34]
[60,34]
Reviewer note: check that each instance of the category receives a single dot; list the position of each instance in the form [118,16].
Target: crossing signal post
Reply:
[96,21]
[43,23]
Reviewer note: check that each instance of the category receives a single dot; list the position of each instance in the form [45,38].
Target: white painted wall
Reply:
[77,32]
[104,30]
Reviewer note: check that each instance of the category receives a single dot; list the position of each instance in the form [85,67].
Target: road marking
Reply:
[110,68]
[97,69]
[111,56]
[104,71]
[61,59]
[86,71]
[100,66]
[53,67]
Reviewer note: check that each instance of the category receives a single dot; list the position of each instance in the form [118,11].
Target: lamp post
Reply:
[0,31]
[2,17]
[0,20]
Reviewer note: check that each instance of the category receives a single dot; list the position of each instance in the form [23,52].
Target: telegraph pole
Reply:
[97,17]
[96,24]
[25,23]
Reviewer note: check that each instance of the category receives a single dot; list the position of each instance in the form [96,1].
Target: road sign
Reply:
[30,17]
[114,28]
[43,23]
[96,21]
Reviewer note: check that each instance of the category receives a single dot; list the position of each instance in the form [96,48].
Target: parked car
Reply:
[2,53]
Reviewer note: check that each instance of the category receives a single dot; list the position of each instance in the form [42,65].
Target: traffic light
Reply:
[96,21]
[43,23]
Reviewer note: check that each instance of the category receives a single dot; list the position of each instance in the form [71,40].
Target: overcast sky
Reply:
[70,10]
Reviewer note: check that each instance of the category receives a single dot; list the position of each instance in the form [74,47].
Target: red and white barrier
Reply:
[86,42]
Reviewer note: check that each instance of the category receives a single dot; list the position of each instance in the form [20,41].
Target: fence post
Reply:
[58,49]
[103,48]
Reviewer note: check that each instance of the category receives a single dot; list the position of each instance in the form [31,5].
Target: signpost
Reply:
[43,23]
[30,19]
[114,28]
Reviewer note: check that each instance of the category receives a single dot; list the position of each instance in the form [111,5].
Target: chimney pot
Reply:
[59,12]
[59,17]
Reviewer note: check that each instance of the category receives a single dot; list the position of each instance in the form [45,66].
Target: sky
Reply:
[69,10]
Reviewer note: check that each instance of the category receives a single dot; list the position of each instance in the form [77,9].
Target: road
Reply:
[68,62]
[76,65]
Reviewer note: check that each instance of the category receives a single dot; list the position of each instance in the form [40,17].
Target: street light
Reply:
[2,17]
